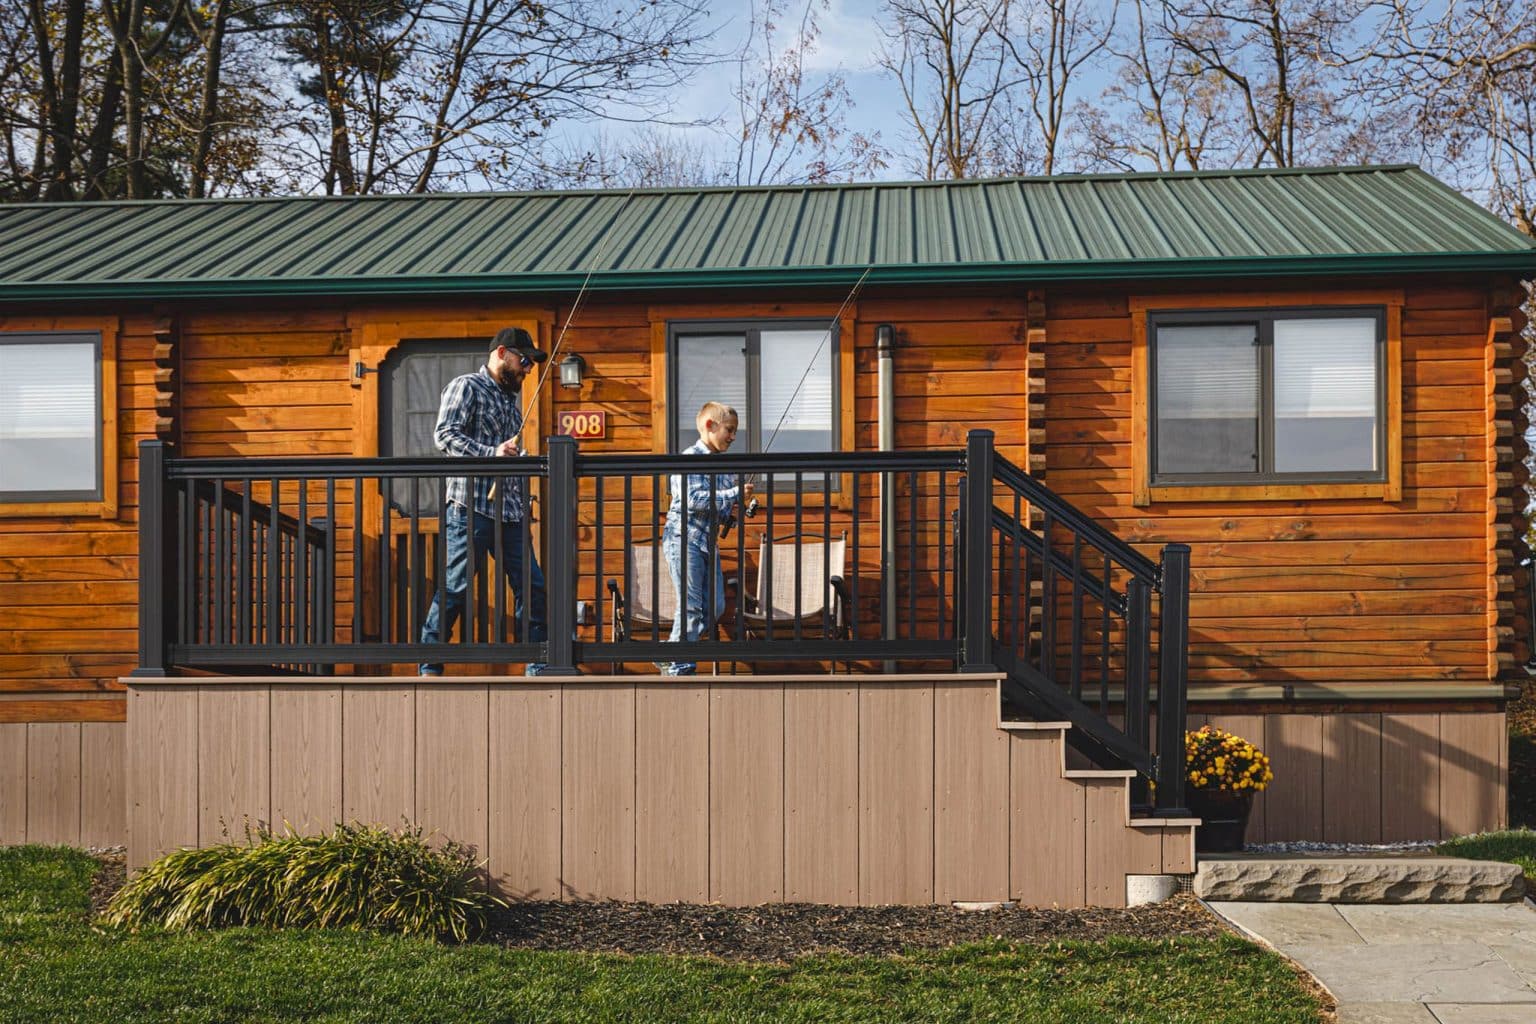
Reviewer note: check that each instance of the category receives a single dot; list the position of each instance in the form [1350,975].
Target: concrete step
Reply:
[1346,878]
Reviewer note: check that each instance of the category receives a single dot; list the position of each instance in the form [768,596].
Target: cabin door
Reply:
[411,382]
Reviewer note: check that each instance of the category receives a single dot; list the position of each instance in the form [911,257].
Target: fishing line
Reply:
[581,293]
[750,510]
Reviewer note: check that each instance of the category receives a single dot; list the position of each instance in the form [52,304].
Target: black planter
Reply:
[1224,819]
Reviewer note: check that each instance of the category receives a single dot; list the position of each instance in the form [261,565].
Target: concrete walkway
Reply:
[1437,963]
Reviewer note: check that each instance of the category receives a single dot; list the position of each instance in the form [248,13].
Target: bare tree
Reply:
[412,94]
[1266,54]
[1051,42]
[951,61]
[1465,74]
[793,123]
[1157,112]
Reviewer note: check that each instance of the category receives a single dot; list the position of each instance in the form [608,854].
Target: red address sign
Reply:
[582,423]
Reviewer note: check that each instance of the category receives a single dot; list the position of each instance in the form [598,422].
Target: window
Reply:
[1278,396]
[51,436]
[781,377]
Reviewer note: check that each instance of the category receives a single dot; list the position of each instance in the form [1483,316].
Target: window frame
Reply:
[1149,311]
[752,330]
[1264,323]
[103,503]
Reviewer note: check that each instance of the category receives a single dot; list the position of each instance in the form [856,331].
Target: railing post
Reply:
[976,643]
[158,576]
[560,566]
[1172,680]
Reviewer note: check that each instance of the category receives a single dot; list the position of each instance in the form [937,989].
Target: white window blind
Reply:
[1325,395]
[711,368]
[49,418]
[796,390]
[1208,372]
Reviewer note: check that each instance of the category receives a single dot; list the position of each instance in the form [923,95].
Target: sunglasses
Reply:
[526,363]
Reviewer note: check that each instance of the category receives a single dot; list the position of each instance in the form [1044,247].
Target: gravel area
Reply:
[785,931]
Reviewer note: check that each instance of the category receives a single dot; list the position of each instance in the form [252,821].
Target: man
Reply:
[480,417]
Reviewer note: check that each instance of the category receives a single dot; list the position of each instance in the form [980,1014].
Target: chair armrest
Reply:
[842,603]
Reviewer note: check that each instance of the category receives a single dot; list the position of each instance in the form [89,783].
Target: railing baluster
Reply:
[357,559]
[799,550]
[1173,652]
[941,542]
[770,605]
[914,573]
[273,587]
[827,624]
[387,581]
[245,608]
[1076,663]
[413,601]
[301,568]
[657,557]
[1104,628]
[1019,632]
[599,565]
[1047,600]
[560,501]
[979,461]
[158,573]
[467,620]
[853,590]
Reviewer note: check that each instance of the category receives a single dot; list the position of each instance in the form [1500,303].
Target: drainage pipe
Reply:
[885,343]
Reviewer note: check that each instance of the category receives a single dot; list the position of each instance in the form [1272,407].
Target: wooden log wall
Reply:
[1326,590]
[1347,589]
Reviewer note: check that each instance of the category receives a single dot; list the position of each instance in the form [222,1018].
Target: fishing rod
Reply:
[549,362]
[750,509]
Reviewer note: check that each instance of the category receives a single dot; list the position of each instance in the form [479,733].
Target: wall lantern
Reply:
[571,369]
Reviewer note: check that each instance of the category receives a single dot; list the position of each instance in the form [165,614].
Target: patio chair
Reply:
[641,608]
[823,606]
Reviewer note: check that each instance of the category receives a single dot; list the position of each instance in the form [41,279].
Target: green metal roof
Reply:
[1228,223]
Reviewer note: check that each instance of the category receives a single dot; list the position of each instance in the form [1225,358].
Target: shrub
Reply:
[356,876]
[1219,760]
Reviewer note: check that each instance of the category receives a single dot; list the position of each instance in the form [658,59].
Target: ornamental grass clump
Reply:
[356,876]
[1218,760]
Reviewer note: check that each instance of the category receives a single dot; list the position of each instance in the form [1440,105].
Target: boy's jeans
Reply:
[456,537]
[702,560]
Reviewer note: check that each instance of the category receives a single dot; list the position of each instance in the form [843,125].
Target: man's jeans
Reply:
[456,537]
[702,560]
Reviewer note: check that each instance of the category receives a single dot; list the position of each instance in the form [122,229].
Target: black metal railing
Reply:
[862,560]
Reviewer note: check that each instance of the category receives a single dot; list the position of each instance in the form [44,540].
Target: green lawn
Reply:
[56,966]
[1518,846]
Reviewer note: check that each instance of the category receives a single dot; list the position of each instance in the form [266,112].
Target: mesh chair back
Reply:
[646,608]
[818,558]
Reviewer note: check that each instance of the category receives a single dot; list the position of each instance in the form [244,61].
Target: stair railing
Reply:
[1066,609]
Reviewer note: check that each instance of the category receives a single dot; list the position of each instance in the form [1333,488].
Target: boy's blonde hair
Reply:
[717,411]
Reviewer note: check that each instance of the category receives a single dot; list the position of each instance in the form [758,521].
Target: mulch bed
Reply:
[785,931]
[777,932]
[110,877]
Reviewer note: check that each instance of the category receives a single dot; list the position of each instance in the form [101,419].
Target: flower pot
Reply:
[1224,818]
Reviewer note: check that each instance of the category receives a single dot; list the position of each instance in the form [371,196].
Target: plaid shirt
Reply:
[701,516]
[476,415]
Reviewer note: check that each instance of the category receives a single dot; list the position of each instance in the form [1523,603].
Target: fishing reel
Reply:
[749,512]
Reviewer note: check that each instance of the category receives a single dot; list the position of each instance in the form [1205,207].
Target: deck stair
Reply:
[1088,839]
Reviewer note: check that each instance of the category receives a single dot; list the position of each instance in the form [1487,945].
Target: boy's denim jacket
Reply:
[702,518]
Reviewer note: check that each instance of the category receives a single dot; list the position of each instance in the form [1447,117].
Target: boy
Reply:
[717,430]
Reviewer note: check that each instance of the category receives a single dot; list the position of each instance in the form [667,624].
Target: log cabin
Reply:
[1049,468]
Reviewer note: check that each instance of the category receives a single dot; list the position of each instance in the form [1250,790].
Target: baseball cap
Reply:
[519,341]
